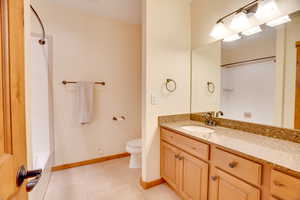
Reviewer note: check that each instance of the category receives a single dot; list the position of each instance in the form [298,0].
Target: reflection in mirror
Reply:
[253,78]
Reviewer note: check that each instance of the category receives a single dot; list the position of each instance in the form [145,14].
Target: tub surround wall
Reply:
[92,48]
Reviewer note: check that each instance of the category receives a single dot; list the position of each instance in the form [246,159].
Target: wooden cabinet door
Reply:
[225,187]
[284,186]
[12,99]
[193,182]
[169,164]
[273,198]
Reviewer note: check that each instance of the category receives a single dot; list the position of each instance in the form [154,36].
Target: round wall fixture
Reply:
[211,87]
[171,85]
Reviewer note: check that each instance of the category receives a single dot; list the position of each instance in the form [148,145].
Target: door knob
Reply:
[23,174]
[180,158]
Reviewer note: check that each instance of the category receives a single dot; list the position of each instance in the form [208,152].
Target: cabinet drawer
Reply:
[197,149]
[238,166]
[284,186]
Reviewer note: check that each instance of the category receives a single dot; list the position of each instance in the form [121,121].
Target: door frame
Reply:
[13,88]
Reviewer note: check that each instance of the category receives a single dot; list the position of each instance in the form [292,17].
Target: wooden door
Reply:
[225,187]
[12,99]
[297,99]
[193,178]
[169,164]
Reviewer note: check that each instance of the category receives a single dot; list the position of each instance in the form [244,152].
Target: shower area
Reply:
[40,107]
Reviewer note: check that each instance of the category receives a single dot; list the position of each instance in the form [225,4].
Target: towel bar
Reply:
[67,82]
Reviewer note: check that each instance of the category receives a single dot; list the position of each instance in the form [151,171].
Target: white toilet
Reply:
[134,147]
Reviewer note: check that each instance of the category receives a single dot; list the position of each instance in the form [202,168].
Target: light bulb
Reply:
[267,10]
[240,22]
[232,38]
[252,31]
[278,21]
[220,31]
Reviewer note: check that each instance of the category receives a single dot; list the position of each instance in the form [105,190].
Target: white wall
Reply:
[249,88]
[166,40]
[40,98]
[206,62]
[259,45]
[41,109]
[91,48]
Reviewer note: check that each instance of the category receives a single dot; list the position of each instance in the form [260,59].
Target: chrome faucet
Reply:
[210,117]
[219,113]
[209,120]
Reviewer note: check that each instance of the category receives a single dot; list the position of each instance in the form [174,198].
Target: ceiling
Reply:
[124,10]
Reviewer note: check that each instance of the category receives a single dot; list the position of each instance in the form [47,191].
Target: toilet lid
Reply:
[135,143]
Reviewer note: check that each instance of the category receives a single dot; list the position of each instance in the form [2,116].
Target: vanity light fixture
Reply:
[279,21]
[220,31]
[267,10]
[252,31]
[247,20]
[232,38]
[240,22]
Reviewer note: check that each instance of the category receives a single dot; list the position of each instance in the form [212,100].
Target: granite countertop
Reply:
[276,151]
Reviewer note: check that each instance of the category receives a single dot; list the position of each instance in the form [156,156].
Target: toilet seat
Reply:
[134,147]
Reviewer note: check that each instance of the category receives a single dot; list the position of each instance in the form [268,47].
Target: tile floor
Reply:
[111,180]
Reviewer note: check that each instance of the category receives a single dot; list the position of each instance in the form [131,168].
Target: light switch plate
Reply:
[154,100]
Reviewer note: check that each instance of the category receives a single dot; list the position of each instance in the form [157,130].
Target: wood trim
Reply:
[298,44]
[89,162]
[2,107]
[148,185]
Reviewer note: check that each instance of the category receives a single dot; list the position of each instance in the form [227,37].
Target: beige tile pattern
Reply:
[292,135]
[111,180]
[173,118]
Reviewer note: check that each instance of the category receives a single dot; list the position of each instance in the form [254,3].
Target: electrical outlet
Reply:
[248,115]
[99,151]
[154,99]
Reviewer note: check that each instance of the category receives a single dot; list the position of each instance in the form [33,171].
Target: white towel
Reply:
[85,101]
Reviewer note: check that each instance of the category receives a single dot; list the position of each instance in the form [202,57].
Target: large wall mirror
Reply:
[252,79]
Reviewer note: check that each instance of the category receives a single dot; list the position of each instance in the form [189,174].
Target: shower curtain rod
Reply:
[43,40]
[269,58]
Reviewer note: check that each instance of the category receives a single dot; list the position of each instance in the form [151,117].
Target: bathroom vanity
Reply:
[228,164]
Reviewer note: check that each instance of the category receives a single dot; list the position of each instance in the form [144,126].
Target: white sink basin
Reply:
[198,129]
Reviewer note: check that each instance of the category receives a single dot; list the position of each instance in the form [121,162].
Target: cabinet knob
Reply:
[214,178]
[233,164]
[180,157]
[176,156]
[278,184]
